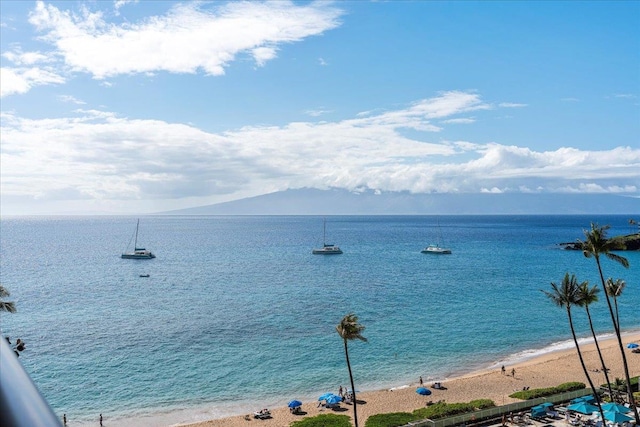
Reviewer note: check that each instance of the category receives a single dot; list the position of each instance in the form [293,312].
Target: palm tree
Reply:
[588,296]
[8,306]
[614,289]
[595,245]
[564,296]
[349,329]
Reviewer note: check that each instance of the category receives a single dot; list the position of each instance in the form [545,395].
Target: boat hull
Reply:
[327,250]
[436,250]
[138,255]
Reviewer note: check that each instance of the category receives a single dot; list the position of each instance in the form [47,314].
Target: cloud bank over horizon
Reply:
[98,155]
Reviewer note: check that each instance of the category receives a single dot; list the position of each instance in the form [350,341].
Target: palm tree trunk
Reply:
[584,367]
[595,340]
[616,327]
[353,388]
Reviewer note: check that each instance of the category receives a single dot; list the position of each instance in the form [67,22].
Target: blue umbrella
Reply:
[546,405]
[583,408]
[295,404]
[423,391]
[587,399]
[333,399]
[632,345]
[615,407]
[537,412]
[617,417]
[325,396]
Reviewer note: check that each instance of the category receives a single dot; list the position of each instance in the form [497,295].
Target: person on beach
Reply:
[421,383]
[340,391]
[513,372]
[503,370]
[100,420]
[64,419]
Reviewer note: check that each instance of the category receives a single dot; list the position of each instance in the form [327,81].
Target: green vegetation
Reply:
[432,412]
[597,246]
[620,385]
[443,410]
[324,420]
[393,419]
[565,296]
[549,391]
[10,307]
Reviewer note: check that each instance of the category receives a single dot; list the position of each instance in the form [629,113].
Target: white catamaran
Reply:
[437,249]
[138,253]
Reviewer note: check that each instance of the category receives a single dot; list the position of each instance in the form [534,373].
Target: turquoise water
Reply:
[237,314]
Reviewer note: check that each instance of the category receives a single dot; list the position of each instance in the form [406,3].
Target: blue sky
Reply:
[141,106]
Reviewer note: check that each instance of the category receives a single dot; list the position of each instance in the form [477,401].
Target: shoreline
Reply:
[544,370]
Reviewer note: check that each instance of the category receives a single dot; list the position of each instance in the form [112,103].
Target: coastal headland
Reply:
[629,242]
[547,370]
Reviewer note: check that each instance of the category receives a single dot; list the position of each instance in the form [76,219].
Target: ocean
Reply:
[237,314]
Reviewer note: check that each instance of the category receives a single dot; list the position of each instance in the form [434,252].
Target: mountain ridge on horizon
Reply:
[309,201]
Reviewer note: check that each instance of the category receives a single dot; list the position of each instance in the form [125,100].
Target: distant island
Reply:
[630,242]
[335,201]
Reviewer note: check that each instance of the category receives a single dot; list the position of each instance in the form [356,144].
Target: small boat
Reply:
[138,253]
[436,249]
[326,249]
[145,275]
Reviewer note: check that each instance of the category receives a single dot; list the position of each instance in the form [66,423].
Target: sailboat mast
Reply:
[135,244]
[324,232]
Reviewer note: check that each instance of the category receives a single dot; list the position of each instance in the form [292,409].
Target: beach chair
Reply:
[262,414]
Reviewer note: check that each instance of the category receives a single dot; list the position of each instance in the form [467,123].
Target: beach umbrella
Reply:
[632,345]
[325,396]
[333,399]
[583,408]
[423,391]
[546,405]
[587,399]
[616,417]
[537,412]
[295,404]
[615,407]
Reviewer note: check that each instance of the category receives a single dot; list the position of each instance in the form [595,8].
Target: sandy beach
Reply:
[545,371]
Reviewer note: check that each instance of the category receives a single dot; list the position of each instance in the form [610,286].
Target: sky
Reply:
[134,107]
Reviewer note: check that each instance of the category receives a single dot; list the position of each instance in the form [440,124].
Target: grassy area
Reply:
[324,420]
[549,391]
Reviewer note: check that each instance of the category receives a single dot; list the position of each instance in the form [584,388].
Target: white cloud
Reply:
[21,80]
[71,99]
[26,58]
[317,113]
[117,4]
[459,121]
[494,190]
[191,37]
[625,96]
[511,105]
[103,157]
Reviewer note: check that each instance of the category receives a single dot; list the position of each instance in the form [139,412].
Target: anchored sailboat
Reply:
[437,249]
[138,253]
[326,249]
